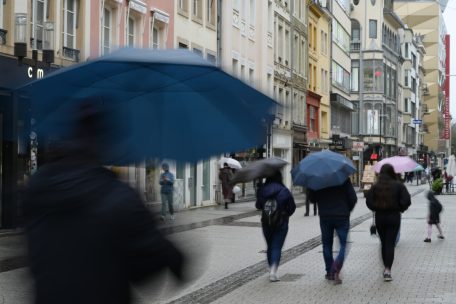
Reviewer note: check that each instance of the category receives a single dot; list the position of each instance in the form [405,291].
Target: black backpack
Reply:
[271,216]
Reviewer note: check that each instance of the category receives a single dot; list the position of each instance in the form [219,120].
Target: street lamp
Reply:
[20,43]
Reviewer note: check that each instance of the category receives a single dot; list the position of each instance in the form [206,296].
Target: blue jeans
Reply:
[167,200]
[327,226]
[274,240]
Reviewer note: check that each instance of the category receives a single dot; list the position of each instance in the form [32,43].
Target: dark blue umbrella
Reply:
[322,169]
[161,104]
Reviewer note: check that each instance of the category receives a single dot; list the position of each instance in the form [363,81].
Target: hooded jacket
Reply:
[337,201]
[283,197]
[89,236]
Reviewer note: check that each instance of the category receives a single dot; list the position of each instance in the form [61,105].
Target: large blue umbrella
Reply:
[322,169]
[161,104]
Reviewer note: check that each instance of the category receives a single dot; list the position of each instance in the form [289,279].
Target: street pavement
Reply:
[229,266]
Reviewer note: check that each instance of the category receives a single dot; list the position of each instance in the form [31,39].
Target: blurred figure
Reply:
[435,207]
[89,235]
[225,175]
[166,191]
[388,197]
[334,207]
[308,202]
[277,204]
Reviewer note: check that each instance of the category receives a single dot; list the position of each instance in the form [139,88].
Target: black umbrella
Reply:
[258,169]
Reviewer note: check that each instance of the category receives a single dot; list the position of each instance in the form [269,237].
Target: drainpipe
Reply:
[219,33]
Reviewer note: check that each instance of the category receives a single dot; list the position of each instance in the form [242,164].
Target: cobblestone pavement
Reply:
[231,268]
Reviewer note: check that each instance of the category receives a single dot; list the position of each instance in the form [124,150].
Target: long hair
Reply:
[382,190]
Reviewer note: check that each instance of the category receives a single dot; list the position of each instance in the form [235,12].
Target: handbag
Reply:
[373,228]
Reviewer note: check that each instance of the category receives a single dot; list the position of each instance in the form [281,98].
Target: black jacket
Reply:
[396,194]
[89,236]
[337,201]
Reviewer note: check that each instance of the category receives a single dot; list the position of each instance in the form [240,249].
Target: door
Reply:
[206,186]
[192,183]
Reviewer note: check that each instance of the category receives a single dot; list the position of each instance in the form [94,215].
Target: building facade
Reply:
[425,17]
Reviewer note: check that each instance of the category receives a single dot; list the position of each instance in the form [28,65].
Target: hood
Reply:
[63,185]
[269,190]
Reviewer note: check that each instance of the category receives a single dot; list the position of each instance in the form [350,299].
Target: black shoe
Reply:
[329,276]
[441,237]
[427,240]
[226,205]
[387,277]
[306,214]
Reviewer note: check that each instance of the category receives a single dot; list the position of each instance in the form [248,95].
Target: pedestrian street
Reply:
[230,262]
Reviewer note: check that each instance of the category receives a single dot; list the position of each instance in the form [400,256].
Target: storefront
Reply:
[15,160]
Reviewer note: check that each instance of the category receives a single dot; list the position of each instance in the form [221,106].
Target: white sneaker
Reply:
[273,277]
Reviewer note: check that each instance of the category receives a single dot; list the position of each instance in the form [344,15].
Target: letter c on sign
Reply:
[30,72]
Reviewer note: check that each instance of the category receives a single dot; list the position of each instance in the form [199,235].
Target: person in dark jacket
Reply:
[225,176]
[308,202]
[334,207]
[388,197]
[435,207]
[166,191]
[274,189]
[89,235]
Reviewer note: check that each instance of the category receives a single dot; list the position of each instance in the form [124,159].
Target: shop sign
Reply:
[39,73]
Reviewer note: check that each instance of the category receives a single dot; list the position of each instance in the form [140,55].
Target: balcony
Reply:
[355,46]
[70,53]
[3,36]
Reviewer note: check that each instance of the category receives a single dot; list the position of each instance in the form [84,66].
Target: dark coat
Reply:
[435,207]
[225,175]
[394,198]
[89,236]
[283,197]
[337,201]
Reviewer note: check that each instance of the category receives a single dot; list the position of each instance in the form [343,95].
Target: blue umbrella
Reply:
[322,169]
[160,104]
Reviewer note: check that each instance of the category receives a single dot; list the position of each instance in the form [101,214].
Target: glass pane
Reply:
[107,18]
[40,13]
[70,23]
[70,5]
[106,37]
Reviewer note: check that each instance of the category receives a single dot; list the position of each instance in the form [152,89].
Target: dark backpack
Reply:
[271,216]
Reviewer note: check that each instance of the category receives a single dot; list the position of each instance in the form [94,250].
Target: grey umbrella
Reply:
[258,169]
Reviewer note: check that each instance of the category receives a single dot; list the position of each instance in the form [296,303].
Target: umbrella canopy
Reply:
[258,169]
[231,162]
[161,104]
[418,168]
[451,166]
[400,164]
[322,169]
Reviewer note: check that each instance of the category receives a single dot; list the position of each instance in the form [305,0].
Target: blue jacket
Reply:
[282,195]
[166,185]
[336,201]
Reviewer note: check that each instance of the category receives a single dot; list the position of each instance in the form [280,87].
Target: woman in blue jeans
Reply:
[274,196]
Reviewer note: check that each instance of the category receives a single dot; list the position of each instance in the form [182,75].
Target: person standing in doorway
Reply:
[334,207]
[225,176]
[388,197]
[166,191]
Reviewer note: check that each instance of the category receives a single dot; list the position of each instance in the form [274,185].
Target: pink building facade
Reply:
[133,23]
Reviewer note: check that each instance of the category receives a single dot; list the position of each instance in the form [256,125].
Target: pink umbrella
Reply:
[400,164]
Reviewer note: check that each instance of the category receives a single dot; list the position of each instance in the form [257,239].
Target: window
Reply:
[211,58]
[270,17]
[314,84]
[280,44]
[373,76]
[182,45]
[155,41]
[236,5]
[1,16]
[340,77]
[315,38]
[287,47]
[406,55]
[414,61]
[251,77]
[107,30]
[37,23]
[341,36]
[406,78]
[69,24]
[197,9]
[252,12]
[242,74]
[372,28]
[354,79]
[313,119]
[406,105]
[183,5]
[131,32]
[235,67]
[198,52]
[211,12]
[414,85]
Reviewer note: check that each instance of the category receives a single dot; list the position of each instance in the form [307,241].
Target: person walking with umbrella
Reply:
[326,175]
[334,206]
[388,198]
[225,175]
[277,205]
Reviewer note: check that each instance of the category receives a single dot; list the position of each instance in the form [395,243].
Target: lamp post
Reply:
[20,45]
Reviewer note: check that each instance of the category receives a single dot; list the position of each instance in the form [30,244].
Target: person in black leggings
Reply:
[388,197]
